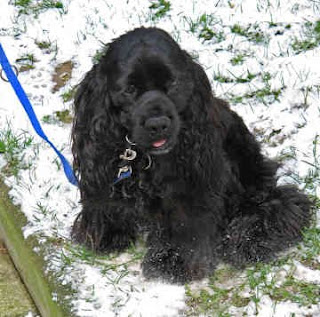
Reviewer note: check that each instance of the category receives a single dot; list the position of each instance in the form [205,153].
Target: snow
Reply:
[51,204]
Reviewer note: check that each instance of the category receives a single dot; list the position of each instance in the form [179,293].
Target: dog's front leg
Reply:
[105,225]
[182,243]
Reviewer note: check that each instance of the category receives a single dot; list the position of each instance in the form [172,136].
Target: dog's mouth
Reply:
[161,146]
[158,144]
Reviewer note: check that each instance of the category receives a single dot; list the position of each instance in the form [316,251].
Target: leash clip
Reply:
[15,69]
[123,173]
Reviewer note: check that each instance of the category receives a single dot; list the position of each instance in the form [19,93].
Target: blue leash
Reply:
[12,78]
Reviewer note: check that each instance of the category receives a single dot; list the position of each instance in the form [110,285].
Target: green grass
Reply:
[264,279]
[246,78]
[26,62]
[47,47]
[159,9]
[218,296]
[213,301]
[63,116]
[238,59]
[75,252]
[309,39]
[36,7]
[274,279]
[68,95]
[302,45]
[11,146]
[265,95]
[311,247]
[252,32]
[296,291]
[206,28]
[44,45]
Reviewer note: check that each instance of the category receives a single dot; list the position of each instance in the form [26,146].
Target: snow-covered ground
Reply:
[276,88]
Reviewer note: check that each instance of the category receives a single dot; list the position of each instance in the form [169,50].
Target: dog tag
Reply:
[128,155]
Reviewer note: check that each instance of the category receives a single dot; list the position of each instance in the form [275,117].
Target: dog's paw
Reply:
[174,266]
[165,264]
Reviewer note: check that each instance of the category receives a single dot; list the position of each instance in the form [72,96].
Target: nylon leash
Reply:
[23,98]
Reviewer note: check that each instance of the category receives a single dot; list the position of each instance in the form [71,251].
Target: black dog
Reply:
[157,152]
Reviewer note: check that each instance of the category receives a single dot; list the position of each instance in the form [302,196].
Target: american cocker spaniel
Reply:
[158,154]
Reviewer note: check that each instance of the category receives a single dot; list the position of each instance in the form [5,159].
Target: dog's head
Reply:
[149,86]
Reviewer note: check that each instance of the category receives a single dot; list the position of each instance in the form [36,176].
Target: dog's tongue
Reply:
[159,143]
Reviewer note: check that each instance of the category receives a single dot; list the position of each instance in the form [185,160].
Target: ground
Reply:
[262,56]
[14,298]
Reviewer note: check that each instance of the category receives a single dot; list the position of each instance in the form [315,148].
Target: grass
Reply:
[44,45]
[275,280]
[11,146]
[75,253]
[218,296]
[114,271]
[311,247]
[63,116]
[238,59]
[47,47]
[265,279]
[68,95]
[36,7]
[159,9]
[252,32]
[265,95]
[308,40]
[26,62]
[248,77]
[206,27]
[302,293]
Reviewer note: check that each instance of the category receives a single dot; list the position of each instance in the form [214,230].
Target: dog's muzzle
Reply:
[156,123]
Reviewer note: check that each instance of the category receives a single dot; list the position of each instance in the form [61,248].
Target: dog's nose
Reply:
[157,125]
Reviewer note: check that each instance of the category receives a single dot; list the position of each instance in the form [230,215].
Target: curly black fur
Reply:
[209,193]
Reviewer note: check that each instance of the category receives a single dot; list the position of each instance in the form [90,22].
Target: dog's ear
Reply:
[93,131]
[201,139]
[202,85]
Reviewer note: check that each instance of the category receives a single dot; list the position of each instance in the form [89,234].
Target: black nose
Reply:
[157,125]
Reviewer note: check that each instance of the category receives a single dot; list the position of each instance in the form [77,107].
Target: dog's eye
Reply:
[131,89]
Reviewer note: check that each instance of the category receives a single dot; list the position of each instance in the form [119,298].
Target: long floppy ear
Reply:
[202,135]
[94,133]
